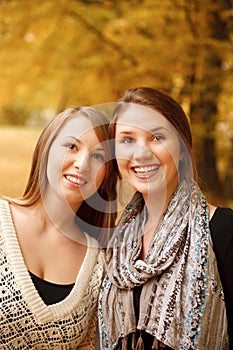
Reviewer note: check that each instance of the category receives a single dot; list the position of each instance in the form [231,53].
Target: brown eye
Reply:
[71,146]
[158,137]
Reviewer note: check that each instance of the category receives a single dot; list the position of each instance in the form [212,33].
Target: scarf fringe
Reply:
[133,341]
[157,345]
[125,343]
[140,343]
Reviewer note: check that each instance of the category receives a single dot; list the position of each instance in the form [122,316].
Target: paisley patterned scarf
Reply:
[181,303]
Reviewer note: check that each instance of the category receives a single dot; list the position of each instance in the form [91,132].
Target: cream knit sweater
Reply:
[26,322]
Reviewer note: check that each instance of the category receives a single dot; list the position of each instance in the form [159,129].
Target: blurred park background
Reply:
[54,54]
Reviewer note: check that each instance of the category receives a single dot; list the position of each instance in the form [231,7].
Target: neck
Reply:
[57,213]
[57,205]
[156,205]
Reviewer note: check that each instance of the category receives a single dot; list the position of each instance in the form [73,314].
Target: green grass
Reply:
[16,148]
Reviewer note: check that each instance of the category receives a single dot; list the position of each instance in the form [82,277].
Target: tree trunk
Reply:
[206,81]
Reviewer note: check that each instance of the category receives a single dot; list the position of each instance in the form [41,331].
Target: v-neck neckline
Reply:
[42,311]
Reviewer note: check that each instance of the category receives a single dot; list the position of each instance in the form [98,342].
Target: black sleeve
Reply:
[221,227]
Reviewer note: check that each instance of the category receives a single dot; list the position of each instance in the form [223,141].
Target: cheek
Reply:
[171,159]
[57,158]
[123,157]
[54,165]
[124,151]
[122,165]
[170,154]
[175,156]
[57,163]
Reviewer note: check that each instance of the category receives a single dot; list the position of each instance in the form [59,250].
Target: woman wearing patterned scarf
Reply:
[163,289]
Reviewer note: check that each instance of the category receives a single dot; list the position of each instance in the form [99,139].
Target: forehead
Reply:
[141,117]
[78,126]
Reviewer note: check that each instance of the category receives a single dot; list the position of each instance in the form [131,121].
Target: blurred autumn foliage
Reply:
[69,52]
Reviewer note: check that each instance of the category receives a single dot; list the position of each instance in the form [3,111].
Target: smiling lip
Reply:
[75,180]
[145,171]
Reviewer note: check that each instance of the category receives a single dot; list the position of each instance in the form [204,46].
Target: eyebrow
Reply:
[72,137]
[152,131]
[126,132]
[79,141]
[158,128]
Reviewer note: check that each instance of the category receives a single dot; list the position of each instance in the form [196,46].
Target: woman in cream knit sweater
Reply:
[51,266]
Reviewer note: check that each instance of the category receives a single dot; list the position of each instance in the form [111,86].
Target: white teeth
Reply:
[75,180]
[146,170]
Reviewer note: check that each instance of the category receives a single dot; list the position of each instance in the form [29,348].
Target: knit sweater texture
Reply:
[26,322]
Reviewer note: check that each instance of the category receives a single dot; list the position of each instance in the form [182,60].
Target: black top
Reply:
[221,227]
[51,293]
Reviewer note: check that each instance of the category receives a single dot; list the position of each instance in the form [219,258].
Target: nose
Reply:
[142,152]
[81,162]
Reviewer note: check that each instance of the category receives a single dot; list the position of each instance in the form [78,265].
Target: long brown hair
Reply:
[88,216]
[170,109]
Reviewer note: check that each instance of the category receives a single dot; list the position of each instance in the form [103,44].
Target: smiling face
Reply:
[76,162]
[147,151]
